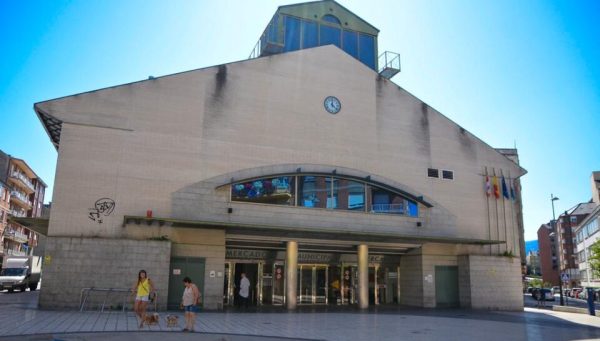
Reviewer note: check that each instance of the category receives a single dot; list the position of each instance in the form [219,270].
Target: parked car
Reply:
[555,290]
[567,292]
[575,292]
[529,290]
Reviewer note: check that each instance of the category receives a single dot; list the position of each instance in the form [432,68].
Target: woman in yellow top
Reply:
[142,289]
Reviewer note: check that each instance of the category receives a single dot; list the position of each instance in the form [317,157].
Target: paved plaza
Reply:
[19,317]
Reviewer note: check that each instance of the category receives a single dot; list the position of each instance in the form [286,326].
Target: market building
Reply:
[304,167]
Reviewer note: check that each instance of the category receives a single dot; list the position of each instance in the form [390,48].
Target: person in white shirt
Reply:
[244,290]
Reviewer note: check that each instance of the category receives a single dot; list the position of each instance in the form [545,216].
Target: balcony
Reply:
[15,212]
[16,235]
[15,253]
[22,181]
[20,199]
[387,208]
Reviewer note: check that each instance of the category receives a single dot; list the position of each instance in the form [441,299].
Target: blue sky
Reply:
[511,72]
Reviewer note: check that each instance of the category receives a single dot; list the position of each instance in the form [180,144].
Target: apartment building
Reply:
[586,235]
[565,227]
[21,195]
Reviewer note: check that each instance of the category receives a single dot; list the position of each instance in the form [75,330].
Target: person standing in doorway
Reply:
[142,289]
[244,290]
[189,301]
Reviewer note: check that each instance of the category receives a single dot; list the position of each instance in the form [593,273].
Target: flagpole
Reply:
[504,212]
[512,213]
[487,204]
[495,185]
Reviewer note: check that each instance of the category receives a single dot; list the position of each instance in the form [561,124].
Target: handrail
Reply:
[83,299]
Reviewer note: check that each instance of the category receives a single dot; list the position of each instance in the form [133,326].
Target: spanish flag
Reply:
[496,187]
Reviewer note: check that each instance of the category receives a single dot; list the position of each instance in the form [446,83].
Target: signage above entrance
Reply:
[303,257]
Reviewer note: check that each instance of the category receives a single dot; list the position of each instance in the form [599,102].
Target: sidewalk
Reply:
[21,318]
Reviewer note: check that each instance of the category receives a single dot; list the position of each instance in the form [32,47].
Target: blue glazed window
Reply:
[351,43]
[366,52]
[330,35]
[310,34]
[292,34]
[273,29]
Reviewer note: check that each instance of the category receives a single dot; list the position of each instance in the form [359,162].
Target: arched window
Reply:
[324,191]
[331,19]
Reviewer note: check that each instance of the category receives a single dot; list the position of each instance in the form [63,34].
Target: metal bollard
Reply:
[590,301]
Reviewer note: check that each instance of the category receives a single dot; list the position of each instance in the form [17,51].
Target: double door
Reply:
[312,284]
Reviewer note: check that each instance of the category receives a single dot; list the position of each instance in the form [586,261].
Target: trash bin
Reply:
[590,301]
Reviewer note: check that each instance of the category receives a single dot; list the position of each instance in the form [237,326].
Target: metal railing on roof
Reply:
[389,64]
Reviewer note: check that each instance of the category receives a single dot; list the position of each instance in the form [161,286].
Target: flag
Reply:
[512,191]
[504,188]
[488,186]
[496,189]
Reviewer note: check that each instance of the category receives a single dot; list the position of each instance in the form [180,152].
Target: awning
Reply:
[39,225]
[303,232]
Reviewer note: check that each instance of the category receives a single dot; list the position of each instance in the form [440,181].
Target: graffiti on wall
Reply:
[102,208]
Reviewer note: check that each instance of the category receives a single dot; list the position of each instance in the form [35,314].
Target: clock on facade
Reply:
[332,105]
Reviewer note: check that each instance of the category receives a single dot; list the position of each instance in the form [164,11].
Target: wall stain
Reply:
[424,135]
[467,145]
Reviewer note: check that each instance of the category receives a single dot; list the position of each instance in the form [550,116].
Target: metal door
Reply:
[180,268]
[446,286]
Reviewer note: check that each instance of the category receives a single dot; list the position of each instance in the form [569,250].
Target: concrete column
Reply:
[291,274]
[363,276]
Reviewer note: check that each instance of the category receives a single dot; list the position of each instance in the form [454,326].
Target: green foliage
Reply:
[536,283]
[595,259]
[508,254]
[160,238]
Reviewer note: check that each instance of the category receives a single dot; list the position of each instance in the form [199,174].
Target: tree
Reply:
[595,259]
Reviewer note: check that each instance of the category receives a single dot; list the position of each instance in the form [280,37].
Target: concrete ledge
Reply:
[566,309]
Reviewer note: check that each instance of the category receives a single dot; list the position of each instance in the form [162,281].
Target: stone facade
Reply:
[490,282]
[72,263]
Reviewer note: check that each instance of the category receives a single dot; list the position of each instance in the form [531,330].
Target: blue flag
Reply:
[504,188]
[512,191]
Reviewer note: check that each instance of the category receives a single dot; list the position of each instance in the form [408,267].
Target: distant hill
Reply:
[531,245]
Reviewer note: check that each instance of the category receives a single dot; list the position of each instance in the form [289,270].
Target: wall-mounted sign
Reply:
[213,274]
[176,271]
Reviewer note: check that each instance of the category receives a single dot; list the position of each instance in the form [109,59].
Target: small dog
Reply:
[150,320]
[172,321]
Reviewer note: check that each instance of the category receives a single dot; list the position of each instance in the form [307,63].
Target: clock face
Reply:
[332,105]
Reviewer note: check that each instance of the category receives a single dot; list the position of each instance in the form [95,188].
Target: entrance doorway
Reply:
[251,271]
[312,284]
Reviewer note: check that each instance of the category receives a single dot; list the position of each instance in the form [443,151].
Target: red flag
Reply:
[488,186]
[496,188]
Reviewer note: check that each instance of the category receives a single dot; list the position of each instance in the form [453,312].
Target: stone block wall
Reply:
[73,263]
[490,282]
[411,280]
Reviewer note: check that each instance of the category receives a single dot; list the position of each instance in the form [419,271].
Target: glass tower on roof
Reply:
[312,24]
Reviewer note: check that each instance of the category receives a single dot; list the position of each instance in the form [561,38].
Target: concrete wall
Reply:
[411,280]
[73,263]
[491,282]
[267,111]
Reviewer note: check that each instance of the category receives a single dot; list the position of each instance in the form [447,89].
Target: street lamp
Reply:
[552,200]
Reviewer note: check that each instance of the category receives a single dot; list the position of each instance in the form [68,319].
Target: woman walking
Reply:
[142,289]
[189,302]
